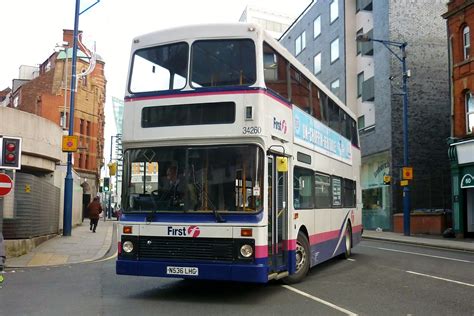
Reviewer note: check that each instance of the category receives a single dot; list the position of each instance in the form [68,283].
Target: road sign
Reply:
[6,184]
[404,183]
[407,173]
[69,143]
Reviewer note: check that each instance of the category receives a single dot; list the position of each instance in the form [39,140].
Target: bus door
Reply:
[277,214]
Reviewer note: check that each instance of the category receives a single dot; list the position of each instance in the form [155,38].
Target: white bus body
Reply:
[268,190]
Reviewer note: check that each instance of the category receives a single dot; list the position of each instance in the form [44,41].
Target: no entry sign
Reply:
[6,184]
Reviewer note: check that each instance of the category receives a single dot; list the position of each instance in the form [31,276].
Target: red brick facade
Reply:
[44,96]
[460,14]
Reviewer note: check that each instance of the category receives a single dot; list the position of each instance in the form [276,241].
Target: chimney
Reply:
[68,36]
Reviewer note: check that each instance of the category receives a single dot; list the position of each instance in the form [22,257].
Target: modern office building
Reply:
[367,77]
[273,22]
[460,20]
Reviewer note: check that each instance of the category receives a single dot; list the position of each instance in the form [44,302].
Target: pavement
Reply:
[435,241]
[85,246]
[82,246]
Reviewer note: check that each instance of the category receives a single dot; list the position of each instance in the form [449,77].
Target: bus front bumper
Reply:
[256,273]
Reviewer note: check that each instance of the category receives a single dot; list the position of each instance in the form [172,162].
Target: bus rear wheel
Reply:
[303,257]
[348,242]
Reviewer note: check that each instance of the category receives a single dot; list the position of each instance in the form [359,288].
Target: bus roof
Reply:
[231,30]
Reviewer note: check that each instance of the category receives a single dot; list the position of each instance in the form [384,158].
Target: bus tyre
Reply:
[303,257]
[347,242]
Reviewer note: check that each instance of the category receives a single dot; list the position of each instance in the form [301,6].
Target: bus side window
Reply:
[300,90]
[315,102]
[275,75]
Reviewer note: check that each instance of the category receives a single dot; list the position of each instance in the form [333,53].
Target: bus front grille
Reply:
[211,249]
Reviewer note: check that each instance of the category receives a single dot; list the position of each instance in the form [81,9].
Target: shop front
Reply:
[461,155]
[376,204]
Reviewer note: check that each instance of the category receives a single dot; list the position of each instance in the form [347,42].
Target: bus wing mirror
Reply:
[282,164]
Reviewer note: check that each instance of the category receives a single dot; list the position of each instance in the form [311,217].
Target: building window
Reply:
[317,27]
[81,159]
[317,63]
[335,50]
[469,113]
[86,166]
[360,81]
[300,43]
[361,122]
[333,11]
[335,87]
[359,43]
[364,5]
[466,42]
[16,101]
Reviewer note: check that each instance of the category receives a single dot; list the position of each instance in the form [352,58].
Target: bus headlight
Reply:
[246,251]
[127,246]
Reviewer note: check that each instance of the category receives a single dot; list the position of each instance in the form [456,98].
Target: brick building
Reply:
[44,95]
[460,22]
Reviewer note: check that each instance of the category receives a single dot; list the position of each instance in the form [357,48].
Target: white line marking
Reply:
[351,259]
[421,254]
[100,260]
[314,298]
[438,278]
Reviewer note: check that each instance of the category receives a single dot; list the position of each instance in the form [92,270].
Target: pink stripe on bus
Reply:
[289,245]
[194,94]
[261,251]
[322,237]
[357,229]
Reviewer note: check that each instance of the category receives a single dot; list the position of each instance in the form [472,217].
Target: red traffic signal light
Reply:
[10,153]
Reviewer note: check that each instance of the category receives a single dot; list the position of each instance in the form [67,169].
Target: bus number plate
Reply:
[182,270]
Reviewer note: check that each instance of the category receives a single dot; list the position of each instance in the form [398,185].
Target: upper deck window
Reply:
[217,63]
[159,68]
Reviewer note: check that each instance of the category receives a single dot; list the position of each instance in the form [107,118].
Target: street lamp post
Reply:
[68,183]
[405,76]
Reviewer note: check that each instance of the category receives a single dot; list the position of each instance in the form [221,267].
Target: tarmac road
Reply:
[382,278]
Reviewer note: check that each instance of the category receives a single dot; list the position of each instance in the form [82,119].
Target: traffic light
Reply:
[106,184]
[112,168]
[10,149]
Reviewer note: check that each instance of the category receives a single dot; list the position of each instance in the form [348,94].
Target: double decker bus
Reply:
[238,163]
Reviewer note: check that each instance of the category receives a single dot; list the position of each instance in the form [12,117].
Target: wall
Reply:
[428,90]
[36,208]
[41,156]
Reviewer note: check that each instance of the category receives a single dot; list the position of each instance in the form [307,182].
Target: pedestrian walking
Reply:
[94,209]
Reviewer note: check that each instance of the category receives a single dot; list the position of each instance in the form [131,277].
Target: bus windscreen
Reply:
[193,179]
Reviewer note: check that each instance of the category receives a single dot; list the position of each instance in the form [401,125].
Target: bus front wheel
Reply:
[303,255]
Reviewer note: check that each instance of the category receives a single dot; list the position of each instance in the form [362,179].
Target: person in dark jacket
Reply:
[94,209]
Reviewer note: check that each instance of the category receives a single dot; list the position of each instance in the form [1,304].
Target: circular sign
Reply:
[6,184]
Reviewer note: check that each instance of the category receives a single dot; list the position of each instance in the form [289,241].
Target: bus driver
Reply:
[173,188]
